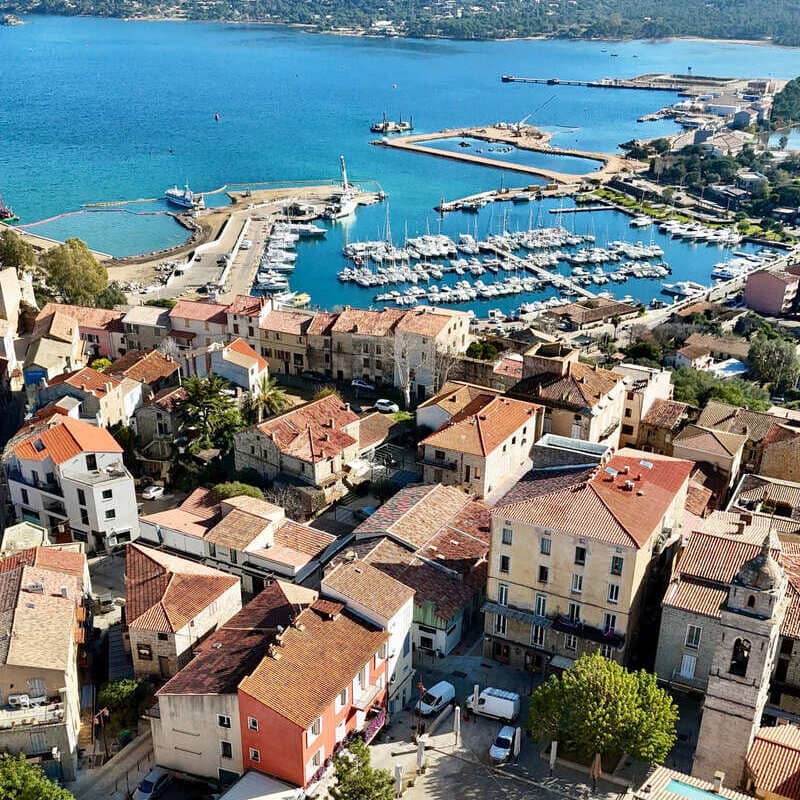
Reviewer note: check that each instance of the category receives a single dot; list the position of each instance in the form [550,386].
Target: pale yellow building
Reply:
[571,554]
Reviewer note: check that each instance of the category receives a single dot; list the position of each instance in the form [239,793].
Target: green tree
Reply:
[237,489]
[74,272]
[15,251]
[773,361]
[600,707]
[356,779]
[210,414]
[327,391]
[111,296]
[268,398]
[20,780]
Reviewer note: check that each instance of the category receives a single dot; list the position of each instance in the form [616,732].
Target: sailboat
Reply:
[346,200]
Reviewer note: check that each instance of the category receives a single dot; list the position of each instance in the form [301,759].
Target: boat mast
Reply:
[345,182]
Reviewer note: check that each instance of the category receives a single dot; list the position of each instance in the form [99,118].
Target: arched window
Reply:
[740,657]
[751,601]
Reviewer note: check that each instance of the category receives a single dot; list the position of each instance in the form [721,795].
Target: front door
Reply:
[163,666]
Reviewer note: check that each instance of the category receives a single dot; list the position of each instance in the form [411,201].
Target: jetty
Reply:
[524,137]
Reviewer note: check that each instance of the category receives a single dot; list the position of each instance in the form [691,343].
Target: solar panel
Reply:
[611,471]
[646,464]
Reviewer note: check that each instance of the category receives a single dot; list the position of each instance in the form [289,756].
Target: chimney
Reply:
[63,591]
[717,780]
[624,470]
[331,423]
[347,406]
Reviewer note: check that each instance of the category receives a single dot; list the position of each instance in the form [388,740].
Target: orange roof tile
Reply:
[295,323]
[246,304]
[96,318]
[774,762]
[199,312]
[367,323]
[87,380]
[241,347]
[360,582]
[64,439]
[427,322]
[145,367]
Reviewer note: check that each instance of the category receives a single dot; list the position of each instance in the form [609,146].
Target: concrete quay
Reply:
[524,138]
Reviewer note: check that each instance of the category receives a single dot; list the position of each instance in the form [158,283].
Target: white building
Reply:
[379,598]
[236,362]
[68,475]
[643,386]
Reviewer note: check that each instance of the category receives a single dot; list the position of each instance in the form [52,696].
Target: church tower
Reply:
[742,666]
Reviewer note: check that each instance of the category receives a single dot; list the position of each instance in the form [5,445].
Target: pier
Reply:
[558,280]
[523,138]
[603,83]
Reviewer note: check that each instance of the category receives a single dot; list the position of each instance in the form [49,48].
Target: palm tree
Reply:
[268,397]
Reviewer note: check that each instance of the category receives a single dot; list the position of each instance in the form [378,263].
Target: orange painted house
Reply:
[322,680]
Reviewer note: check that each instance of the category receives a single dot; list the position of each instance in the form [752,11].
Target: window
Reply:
[693,633]
[541,605]
[380,655]
[500,624]
[613,593]
[688,664]
[233,556]
[223,720]
[544,574]
[628,412]
[545,545]
[570,642]
[252,723]
[438,455]
[616,565]
[537,635]
[315,729]
[502,594]
[255,755]
[407,644]
[341,699]
[574,612]
[577,583]
[111,513]
[81,497]
[508,535]
[91,462]
[378,364]
[580,555]
[225,749]
[163,637]
[607,651]
[108,494]
[609,623]
[25,496]
[316,761]
[145,652]
[627,430]
[84,516]
[505,564]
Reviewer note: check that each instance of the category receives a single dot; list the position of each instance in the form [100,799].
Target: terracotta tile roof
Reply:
[732,346]
[709,440]
[199,312]
[727,523]
[322,324]
[145,367]
[754,489]
[773,762]
[696,596]
[165,592]
[509,366]
[484,425]
[724,417]
[582,314]
[626,505]
[367,323]
[694,352]
[695,308]
[87,380]
[42,632]
[375,429]
[668,414]
[697,499]
[246,305]
[63,439]
[454,396]
[312,432]
[426,322]
[237,530]
[295,323]
[56,325]
[97,318]
[234,650]
[780,433]
[315,664]
[582,387]
[301,539]
[241,347]
[169,399]
[202,503]
[368,586]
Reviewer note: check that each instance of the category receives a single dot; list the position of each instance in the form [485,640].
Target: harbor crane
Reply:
[517,127]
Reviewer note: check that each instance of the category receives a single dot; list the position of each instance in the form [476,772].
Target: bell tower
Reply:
[742,665]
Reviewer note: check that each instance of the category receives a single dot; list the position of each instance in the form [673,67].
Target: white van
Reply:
[495,703]
[436,698]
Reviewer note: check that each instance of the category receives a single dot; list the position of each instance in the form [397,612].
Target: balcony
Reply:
[50,488]
[438,463]
[564,624]
[55,507]
[366,697]
[49,714]
[693,682]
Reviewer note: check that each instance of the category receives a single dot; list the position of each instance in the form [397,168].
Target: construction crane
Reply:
[517,127]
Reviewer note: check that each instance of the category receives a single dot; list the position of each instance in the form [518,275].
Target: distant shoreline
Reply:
[366,34]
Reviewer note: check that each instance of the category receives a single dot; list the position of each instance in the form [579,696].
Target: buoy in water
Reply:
[216,117]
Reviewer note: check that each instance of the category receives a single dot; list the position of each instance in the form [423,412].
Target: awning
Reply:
[561,662]
[182,334]
[517,613]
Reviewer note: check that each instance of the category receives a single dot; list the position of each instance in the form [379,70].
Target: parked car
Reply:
[153,492]
[495,703]
[363,385]
[153,785]
[386,406]
[312,375]
[364,513]
[436,698]
[503,745]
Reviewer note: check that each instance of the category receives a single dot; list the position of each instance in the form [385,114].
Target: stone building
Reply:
[662,423]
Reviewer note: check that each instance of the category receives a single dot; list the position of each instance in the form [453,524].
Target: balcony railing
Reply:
[51,488]
[439,463]
[684,680]
[365,698]
[564,624]
[35,715]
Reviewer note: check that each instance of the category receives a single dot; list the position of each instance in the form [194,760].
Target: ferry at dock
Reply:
[183,198]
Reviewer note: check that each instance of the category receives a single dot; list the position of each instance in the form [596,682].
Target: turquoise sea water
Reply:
[94,110]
